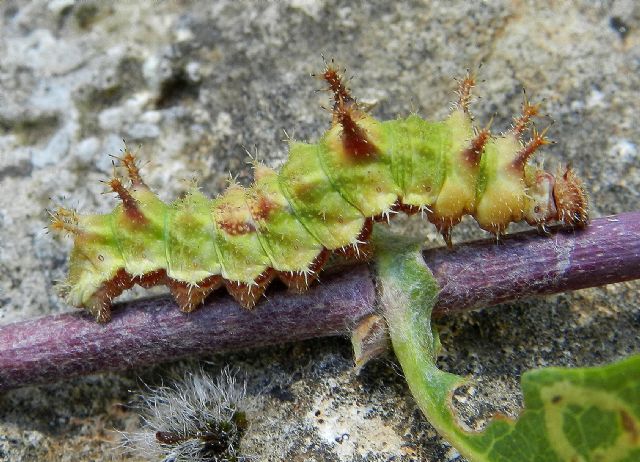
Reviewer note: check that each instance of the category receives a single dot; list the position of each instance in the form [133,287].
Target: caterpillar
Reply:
[325,198]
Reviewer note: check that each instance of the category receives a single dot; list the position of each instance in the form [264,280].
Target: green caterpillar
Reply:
[324,198]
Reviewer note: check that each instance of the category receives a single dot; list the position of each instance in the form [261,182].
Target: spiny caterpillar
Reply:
[325,198]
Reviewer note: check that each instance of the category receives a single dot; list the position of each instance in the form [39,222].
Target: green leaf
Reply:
[581,414]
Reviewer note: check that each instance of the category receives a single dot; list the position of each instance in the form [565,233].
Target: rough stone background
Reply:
[194,83]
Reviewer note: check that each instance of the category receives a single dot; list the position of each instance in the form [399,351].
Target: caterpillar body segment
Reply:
[324,198]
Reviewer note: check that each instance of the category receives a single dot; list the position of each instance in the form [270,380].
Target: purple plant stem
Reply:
[477,274]
[482,273]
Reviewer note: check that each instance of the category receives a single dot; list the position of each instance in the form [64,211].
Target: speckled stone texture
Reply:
[190,85]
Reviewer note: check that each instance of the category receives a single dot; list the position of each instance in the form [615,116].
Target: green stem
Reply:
[408,292]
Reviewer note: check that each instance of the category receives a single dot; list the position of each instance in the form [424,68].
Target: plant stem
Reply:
[151,331]
[408,292]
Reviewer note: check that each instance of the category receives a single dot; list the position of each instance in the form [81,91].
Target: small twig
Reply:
[477,274]
[482,273]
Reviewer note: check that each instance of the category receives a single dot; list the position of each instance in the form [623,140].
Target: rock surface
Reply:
[190,85]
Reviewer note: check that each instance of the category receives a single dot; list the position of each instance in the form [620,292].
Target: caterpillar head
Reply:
[541,207]
[559,198]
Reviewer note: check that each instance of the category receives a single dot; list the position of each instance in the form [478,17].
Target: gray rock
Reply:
[54,152]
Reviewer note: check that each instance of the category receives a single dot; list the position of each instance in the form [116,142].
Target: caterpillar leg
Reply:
[248,295]
[190,296]
[100,303]
[299,282]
